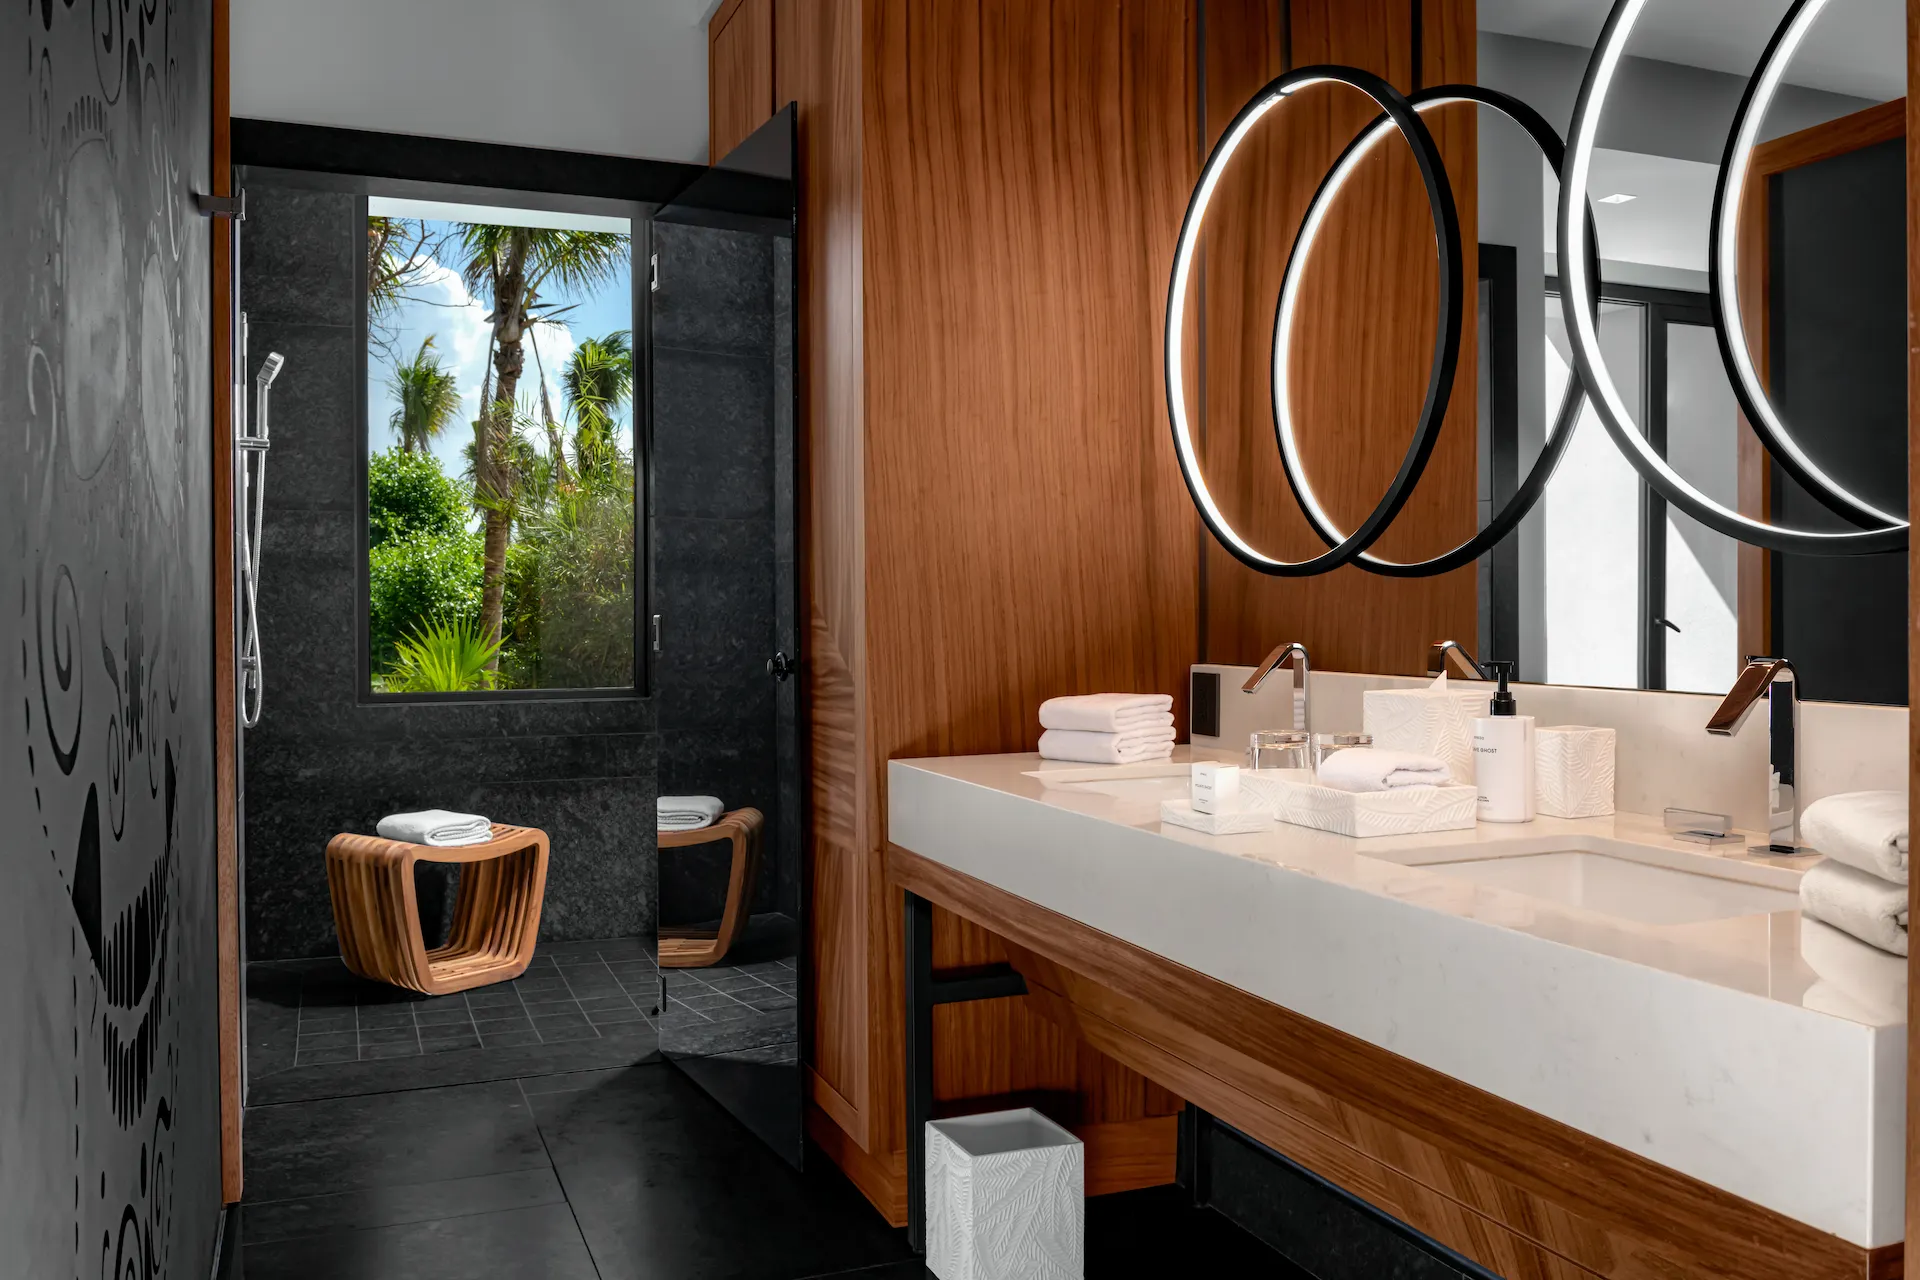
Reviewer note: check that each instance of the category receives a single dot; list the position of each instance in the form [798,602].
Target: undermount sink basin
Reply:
[1621,888]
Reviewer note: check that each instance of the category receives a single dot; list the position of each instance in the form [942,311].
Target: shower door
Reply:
[725,633]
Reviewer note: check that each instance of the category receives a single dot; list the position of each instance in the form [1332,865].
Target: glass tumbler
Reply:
[1280,749]
[1325,744]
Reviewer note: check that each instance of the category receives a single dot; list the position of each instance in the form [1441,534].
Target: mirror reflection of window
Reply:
[1592,521]
[1702,578]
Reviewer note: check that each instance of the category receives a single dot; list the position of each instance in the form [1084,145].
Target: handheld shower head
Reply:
[269,370]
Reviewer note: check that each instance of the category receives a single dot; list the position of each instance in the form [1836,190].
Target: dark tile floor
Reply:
[316,1030]
[609,1175]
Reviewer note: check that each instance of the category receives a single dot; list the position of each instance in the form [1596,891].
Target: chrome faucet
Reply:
[1302,669]
[1442,654]
[1772,679]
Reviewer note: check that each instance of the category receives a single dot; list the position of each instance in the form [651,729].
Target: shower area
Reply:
[519,542]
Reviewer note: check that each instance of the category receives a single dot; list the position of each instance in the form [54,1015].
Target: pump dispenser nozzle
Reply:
[1503,703]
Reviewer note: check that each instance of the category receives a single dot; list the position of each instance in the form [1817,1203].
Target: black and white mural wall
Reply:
[109,1105]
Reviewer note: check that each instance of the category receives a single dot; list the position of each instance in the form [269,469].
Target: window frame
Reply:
[366,163]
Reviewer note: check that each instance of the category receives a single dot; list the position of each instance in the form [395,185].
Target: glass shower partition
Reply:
[725,634]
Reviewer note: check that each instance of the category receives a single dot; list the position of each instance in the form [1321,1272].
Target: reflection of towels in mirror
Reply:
[1857,982]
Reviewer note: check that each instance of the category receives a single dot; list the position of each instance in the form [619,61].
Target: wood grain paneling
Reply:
[226,725]
[1026,531]
[1364,344]
[1524,1194]
[739,73]
[818,69]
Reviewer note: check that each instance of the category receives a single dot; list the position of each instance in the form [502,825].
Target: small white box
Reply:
[1215,788]
[1573,771]
[1006,1198]
[1230,822]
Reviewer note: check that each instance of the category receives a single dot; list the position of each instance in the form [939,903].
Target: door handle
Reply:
[780,666]
[1663,622]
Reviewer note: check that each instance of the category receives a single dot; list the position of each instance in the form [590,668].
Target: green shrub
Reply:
[416,580]
[442,657]
[568,607]
[407,493]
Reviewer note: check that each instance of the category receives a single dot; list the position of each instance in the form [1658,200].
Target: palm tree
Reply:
[509,265]
[428,396]
[597,382]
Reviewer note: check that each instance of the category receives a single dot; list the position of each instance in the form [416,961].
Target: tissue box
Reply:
[1573,771]
[1006,1198]
[1430,722]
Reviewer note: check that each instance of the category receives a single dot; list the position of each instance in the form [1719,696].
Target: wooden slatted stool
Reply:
[698,948]
[496,915]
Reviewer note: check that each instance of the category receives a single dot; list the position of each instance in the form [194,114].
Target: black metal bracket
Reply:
[211,206]
[923,992]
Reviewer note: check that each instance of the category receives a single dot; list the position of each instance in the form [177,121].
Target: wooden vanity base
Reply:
[1523,1195]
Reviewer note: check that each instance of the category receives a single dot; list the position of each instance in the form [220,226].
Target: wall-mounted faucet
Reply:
[1772,679]
[1444,654]
[1282,654]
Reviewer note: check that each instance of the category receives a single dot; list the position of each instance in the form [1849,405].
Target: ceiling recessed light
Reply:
[1618,197]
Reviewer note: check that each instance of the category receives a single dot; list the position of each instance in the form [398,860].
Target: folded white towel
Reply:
[1871,909]
[1376,769]
[436,827]
[687,813]
[1864,829]
[1108,712]
[1872,983]
[1132,747]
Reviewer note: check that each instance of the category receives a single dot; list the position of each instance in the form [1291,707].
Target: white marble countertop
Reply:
[1713,1047]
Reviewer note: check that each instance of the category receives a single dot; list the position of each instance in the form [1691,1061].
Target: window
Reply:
[500,450]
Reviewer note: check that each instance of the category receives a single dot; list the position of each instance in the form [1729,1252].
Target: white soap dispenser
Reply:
[1503,756]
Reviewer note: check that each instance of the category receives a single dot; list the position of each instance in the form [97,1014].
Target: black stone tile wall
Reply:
[322,761]
[723,378]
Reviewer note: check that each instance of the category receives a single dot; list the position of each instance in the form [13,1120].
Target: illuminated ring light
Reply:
[1446,345]
[1528,494]
[1735,349]
[1577,299]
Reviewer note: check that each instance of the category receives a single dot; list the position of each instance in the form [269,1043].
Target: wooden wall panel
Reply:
[819,70]
[1364,339]
[1027,533]
[739,73]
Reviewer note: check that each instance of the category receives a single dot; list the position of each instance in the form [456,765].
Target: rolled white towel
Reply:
[1872,984]
[1376,769]
[1871,909]
[1108,712]
[687,813]
[436,827]
[1132,747]
[1864,829]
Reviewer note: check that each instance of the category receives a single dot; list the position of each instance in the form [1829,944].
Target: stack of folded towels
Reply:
[1107,728]
[436,827]
[1376,769]
[688,813]
[1861,887]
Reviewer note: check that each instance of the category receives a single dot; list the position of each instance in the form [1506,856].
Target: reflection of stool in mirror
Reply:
[496,915]
[698,948]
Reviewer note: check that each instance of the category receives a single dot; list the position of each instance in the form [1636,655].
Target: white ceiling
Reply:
[1665,225]
[1857,47]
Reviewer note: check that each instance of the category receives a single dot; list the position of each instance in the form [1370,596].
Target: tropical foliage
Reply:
[520,572]
[443,657]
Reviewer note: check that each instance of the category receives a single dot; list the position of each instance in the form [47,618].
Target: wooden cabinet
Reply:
[991,191]
[739,73]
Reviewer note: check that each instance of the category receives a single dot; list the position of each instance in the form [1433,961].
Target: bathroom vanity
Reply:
[1563,1048]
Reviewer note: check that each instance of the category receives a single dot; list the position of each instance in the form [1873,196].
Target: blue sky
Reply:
[441,306]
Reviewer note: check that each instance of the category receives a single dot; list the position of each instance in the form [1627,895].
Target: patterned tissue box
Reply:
[1006,1198]
[1427,722]
[1573,771]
